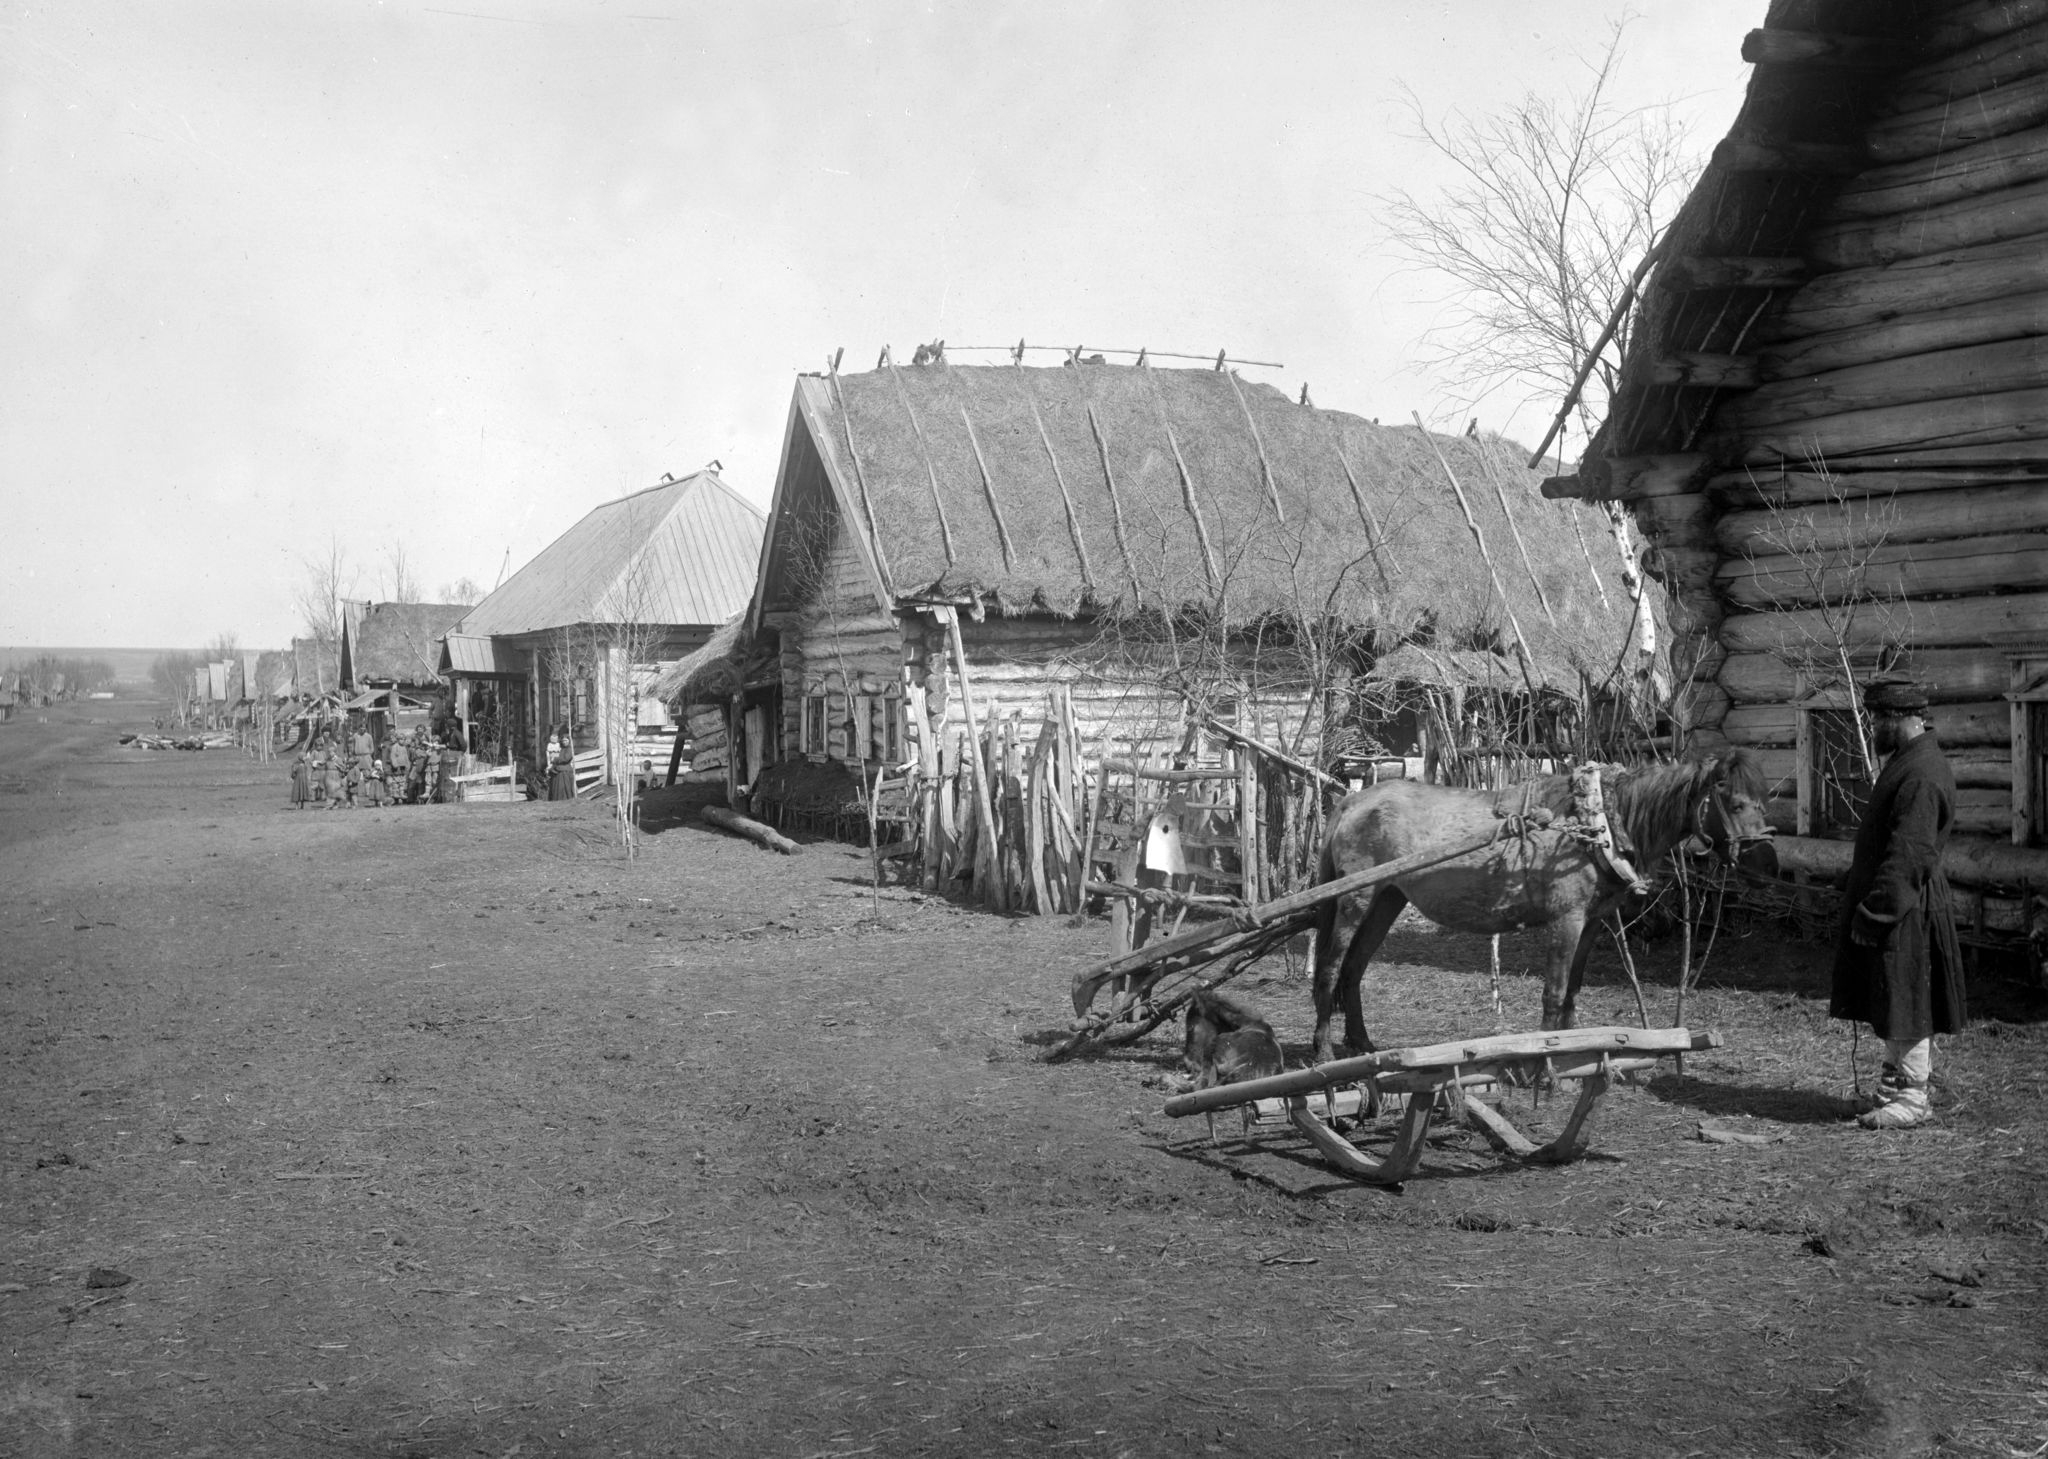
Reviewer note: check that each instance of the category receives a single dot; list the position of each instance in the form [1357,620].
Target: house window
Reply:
[814,724]
[580,696]
[2029,699]
[1834,775]
[892,729]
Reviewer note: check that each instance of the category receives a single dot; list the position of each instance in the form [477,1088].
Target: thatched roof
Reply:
[395,643]
[697,669]
[1106,489]
[1741,210]
[683,552]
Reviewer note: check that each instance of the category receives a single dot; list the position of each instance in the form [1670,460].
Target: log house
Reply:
[1832,425]
[980,579]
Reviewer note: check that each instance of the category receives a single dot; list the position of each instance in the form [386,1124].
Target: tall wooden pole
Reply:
[986,874]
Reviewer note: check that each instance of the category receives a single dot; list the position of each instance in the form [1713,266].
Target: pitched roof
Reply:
[1767,213]
[1099,488]
[397,642]
[683,552]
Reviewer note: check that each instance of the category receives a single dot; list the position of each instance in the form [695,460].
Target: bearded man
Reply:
[1898,966]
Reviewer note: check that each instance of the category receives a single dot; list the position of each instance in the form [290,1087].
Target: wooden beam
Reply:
[1630,478]
[1818,159]
[1705,371]
[1775,47]
[2005,216]
[1686,275]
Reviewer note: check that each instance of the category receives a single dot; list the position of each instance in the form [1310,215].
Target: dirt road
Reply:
[448,1131]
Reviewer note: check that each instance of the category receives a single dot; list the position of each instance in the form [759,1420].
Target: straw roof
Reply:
[683,552]
[1106,489]
[398,643]
[316,666]
[699,668]
[1738,210]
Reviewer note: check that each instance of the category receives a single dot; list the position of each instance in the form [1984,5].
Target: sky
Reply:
[276,279]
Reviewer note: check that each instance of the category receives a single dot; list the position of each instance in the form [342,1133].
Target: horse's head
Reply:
[1728,813]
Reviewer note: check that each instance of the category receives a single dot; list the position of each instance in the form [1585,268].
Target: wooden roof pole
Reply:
[1382,552]
[1116,510]
[867,504]
[1571,396]
[1479,537]
[1073,523]
[988,489]
[931,472]
[1500,491]
[1265,466]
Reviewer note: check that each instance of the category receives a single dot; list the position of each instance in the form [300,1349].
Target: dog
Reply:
[1228,1043]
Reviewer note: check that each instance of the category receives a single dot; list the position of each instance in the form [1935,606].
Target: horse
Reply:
[1545,877]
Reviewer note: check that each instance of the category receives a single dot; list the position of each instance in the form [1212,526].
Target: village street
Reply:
[445,1130]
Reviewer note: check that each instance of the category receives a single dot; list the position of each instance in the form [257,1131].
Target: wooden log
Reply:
[1954,674]
[1787,487]
[2000,162]
[1987,66]
[1929,130]
[1978,369]
[1296,907]
[1973,863]
[1630,478]
[1987,723]
[1914,335]
[1879,293]
[2010,213]
[2017,620]
[2009,420]
[750,829]
[1689,275]
[1966,565]
[1967,25]
[1775,46]
[1806,159]
[987,861]
[1705,371]
[1963,511]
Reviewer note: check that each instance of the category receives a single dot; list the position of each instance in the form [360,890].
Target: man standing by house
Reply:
[1898,966]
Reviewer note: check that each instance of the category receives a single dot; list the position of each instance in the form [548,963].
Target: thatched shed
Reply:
[1833,422]
[1145,546]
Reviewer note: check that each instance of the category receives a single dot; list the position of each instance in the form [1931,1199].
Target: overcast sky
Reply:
[275,274]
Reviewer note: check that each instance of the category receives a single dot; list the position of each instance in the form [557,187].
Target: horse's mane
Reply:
[1653,802]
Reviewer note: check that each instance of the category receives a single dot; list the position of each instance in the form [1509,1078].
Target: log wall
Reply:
[1882,487]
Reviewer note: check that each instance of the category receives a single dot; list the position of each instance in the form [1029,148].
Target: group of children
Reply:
[333,772]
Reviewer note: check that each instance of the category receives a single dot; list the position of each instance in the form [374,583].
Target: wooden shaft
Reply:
[1620,312]
[1296,905]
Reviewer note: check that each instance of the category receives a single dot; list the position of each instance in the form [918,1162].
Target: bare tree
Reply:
[464,590]
[401,583]
[328,578]
[1841,612]
[1555,202]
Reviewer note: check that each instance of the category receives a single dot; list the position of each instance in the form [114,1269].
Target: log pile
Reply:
[706,730]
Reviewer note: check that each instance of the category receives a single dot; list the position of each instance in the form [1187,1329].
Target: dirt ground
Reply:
[448,1131]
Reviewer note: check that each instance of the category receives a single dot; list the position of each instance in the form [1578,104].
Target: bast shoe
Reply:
[1904,1113]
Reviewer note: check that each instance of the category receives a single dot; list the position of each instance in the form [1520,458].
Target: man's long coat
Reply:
[1910,984]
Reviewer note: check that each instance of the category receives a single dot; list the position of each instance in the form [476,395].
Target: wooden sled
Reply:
[1449,1077]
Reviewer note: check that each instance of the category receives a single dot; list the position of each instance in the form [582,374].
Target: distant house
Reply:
[316,668]
[576,636]
[1151,560]
[1832,423]
[390,657]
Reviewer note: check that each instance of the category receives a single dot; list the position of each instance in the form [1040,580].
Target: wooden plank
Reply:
[986,875]
[1688,275]
[1559,1045]
[1775,46]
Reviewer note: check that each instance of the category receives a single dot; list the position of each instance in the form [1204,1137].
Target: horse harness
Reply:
[1587,824]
